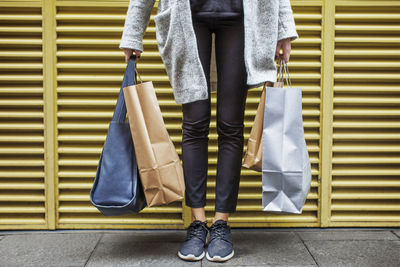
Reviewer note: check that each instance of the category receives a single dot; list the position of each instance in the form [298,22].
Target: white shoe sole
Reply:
[191,257]
[218,258]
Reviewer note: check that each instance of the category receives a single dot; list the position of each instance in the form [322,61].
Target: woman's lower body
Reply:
[231,100]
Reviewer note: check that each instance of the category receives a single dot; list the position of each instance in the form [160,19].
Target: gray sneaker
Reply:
[192,249]
[220,247]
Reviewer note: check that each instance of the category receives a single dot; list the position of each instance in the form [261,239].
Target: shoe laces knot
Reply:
[219,230]
[195,229]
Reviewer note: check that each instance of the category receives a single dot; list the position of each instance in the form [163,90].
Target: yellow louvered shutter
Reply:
[22,149]
[61,72]
[90,70]
[365,189]
[304,67]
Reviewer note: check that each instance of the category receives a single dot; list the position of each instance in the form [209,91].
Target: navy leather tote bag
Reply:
[117,189]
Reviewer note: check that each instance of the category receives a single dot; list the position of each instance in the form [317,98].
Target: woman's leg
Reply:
[231,100]
[195,125]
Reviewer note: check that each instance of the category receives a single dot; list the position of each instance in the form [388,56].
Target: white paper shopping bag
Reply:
[286,167]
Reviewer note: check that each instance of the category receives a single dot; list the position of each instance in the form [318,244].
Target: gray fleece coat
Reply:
[265,22]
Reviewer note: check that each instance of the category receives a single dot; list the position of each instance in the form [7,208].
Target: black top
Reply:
[221,9]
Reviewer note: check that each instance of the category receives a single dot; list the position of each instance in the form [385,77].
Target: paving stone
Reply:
[347,235]
[255,248]
[363,253]
[140,249]
[47,249]
[228,263]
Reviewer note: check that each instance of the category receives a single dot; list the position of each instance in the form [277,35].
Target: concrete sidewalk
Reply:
[253,247]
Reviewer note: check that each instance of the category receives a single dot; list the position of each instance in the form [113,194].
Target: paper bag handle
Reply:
[136,72]
[286,69]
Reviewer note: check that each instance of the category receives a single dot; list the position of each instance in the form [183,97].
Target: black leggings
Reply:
[231,100]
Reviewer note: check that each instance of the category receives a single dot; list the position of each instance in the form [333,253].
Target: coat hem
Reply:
[269,76]
[190,95]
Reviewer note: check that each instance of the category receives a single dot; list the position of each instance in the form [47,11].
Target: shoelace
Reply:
[219,230]
[195,230]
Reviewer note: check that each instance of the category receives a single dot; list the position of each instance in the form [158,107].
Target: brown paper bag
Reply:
[160,169]
[253,156]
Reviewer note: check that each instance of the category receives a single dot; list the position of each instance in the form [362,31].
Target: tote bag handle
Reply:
[129,79]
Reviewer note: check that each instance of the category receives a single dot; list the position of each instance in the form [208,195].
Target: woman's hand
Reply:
[128,53]
[286,47]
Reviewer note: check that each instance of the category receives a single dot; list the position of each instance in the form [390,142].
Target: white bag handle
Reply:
[280,76]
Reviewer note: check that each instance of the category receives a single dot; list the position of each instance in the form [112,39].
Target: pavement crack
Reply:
[393,232]
[94,249]
[309,252]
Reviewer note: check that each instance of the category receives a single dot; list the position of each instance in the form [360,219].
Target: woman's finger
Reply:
[286,50]
[278,49]
[128,52]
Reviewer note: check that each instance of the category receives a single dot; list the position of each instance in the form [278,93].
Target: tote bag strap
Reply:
[129,79]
